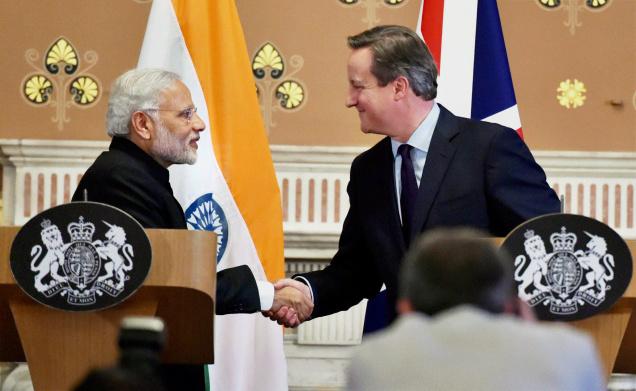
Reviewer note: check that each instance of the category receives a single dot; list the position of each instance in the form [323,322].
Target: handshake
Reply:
[292,303]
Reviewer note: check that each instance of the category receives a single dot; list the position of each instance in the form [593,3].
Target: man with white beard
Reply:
[154,124]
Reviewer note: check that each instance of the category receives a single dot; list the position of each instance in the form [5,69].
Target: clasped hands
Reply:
[292,303]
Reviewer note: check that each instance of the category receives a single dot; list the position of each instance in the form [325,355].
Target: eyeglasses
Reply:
[186,114]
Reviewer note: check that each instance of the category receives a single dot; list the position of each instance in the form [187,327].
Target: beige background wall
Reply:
[310,37]
[112,29]
[601,53]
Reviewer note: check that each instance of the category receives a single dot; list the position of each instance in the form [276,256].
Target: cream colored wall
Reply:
[310,36]
[112,30]
[600,52]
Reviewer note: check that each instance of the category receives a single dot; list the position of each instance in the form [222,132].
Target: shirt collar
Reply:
[421,137]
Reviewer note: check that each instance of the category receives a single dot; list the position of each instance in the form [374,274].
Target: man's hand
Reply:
[292,303]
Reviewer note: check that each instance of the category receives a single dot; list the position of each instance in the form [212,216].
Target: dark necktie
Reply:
[409,190]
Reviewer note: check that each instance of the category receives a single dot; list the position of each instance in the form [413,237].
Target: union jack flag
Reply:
[466,40]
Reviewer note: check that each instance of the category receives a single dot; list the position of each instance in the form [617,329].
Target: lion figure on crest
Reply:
[536,267]
[52,260]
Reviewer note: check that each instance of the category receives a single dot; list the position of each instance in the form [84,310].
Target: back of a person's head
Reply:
[455,266]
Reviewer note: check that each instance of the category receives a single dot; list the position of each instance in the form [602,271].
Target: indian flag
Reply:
[232,188]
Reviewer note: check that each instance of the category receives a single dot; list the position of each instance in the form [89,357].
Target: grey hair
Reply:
[455,266]
[398,51]
[135,90]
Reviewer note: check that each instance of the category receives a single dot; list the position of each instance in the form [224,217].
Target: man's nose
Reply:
[197,123]
[351,100]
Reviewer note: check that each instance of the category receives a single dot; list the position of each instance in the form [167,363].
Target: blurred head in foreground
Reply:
[456,266]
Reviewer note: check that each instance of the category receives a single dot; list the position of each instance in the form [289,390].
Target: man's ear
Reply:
[401,87]
[141,125]
[404,306]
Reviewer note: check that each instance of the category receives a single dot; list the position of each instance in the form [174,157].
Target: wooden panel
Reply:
[180,288]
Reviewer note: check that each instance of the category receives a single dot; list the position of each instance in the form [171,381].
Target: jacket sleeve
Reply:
[350,277]
[516,185]
[236,291]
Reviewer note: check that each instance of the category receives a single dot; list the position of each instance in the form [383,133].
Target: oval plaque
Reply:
[568,267]
[81,256]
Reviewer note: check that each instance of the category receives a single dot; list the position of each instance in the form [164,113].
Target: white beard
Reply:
[168,148]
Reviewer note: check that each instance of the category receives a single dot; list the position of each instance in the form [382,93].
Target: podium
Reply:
[614,330]
[61,347]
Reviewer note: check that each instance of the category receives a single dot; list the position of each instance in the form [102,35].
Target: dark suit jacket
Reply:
[476,174]
[129,179]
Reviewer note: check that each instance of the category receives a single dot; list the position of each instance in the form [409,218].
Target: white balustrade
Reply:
[39,174]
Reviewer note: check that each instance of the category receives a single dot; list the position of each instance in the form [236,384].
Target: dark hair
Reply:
[455,266]
[398,51]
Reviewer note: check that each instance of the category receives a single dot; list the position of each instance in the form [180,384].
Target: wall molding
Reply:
[313,182]
[78,151]
[27,151]
[557,162]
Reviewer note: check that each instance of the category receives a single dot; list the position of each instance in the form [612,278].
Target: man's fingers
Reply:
[291,306]
[288,282]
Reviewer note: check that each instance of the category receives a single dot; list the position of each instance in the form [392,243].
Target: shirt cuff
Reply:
[306,282]
[266,294]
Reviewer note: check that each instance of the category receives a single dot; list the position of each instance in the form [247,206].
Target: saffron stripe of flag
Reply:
[213,33]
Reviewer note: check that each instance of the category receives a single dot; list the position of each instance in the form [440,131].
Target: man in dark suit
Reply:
[433,169]
[153,124]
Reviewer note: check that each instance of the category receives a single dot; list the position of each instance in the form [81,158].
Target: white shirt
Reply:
[420,140]
[265,294]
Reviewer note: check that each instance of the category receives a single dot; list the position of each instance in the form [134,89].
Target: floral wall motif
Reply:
[276,89]
[371,6]
[599,59]
[62,72]
[571,94]
[573,8]
[59,61]
[306,104]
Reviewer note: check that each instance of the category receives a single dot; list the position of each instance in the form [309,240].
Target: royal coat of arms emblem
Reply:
[96,261]
[74,269]
[564,278]
[586,269]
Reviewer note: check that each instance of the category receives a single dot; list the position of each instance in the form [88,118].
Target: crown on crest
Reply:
[531,236]
[81,231]
[47,227]
[563,241]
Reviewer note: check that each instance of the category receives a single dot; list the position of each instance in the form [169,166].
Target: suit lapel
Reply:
[387,199]
[440,154]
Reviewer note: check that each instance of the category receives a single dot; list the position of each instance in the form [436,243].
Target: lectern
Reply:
[615,329]
[61,347]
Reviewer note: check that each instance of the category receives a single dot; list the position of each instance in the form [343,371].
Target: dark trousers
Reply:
[180,377]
